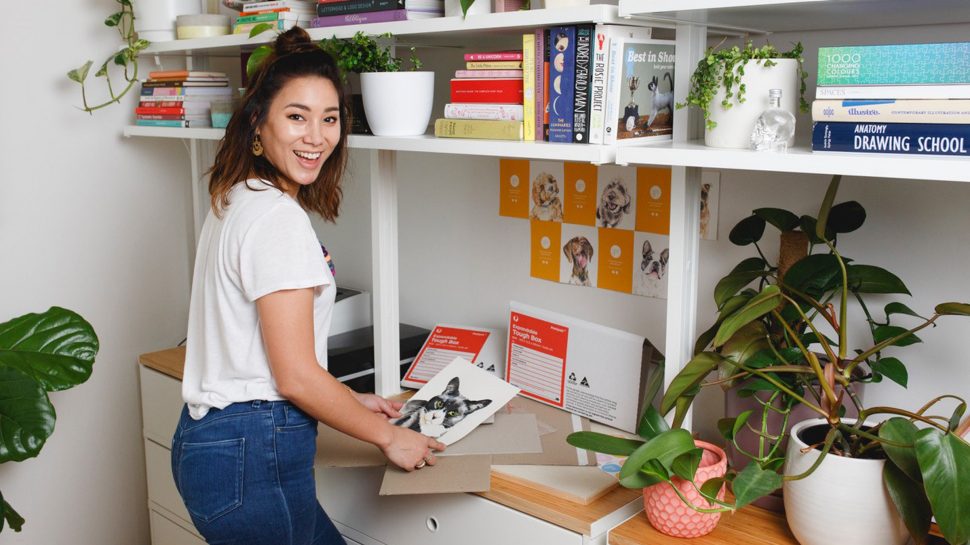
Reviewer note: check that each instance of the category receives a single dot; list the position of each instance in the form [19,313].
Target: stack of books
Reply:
[354,12]
[180,98]
[486,98]
[905,98]
[283,14]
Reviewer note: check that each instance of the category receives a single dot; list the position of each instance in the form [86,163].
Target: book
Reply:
[478,74]
[542,64]
[562,69]
[170,74]
[493,65]
[183,83]
[500,91]
[174,117]
[496,56]
[282,24]
[581,83]
[892,111]
[894,64]
[172,110]
[642,70]
[471,110]
[529,86]
[907,138]
[157,100]
[358,6]
[603,36]
[176,91]
[182,123]
[478,128]
[193,79]
[373,17]
[270,17]
[311,11]
[295,5]
[893,91]
[545,85]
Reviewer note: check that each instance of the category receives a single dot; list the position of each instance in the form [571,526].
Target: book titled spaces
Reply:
[640,99]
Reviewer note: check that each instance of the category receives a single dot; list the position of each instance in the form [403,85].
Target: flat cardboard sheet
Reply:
[448,475]
[554,425]
[580,485]
[335,449]
[513,434]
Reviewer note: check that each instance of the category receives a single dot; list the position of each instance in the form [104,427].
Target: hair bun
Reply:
[294,40]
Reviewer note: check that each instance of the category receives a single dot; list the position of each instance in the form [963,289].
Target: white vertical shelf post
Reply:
[685,194]
[386,300]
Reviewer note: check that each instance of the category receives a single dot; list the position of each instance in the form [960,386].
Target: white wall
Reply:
[97,223]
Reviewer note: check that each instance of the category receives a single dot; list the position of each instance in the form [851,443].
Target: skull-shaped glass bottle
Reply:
[775,128]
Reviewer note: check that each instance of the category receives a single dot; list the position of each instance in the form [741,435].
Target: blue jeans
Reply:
[245,474]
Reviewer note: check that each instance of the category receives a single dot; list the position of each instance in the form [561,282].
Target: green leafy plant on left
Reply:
[39,354]
[126,57]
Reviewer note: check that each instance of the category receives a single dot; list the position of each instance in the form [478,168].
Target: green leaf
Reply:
[814,274]
[256,58]
[809,226]
[826,208]
[893,369]
[663,449]
[747,231]
[26,415]
[957,416]
[885,332]
[910,501]
[748,341]
[260,28]
[11,516]
[712,488]
[729,427]
[114,19]
[102,72]
[730,306]
[953,309]
[899,308]
[81,73]
[753,483]
[783,220]
[742,275]
[846,217]
[57,347]
[600,442]
[758,306]
[944,460]
[140,44]
[901,430]
[652,423]
[872,279]
[465,6]
[685,466]
[649,474]
[121,59]
[689,378]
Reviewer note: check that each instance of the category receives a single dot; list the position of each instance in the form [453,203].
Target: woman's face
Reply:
[301,129]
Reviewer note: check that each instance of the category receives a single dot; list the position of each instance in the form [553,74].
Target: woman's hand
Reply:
[410,450]
[379,405]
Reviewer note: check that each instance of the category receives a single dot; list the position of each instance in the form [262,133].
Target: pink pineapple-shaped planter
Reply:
[668,514]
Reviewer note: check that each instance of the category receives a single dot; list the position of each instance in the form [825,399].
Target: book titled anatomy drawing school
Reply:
[640,99]
[908,138]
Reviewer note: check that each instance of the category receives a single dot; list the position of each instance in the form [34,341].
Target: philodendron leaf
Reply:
[944,461]
[953,309]
[957,416]
[652,424]
[465,6]
[729,286]
[732,305]
[689,377]
[729,427]
[901,430]
[685,466]
[56,348]
[753,483]
[26,415]
[783,220]
[711,488]
[826,208]
[649,474]
[846,217]
[885,332]
[664,449]
[814,274]
[893,369]
[899,308]
[746,342]
[910,501]
[600,442]
[871,279]
[758,306]
[747,231]
[10,516]
[81,73]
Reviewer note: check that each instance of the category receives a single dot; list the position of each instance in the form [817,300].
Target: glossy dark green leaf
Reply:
[81,73]
[663,449]
[712,488]
[743,274]
[809,225]
[886,332]
[747,231]
[910,501]
[953,309]
[729,427]
[826,207]
[26,415]
[758,306]
[755,385]
[846,217]
[872,279]
[944,460]
[753,483]
[652,424]
[730,307]
[600,442]
[260,28]
[814,274]
[899,308]
[893,369]
[746,342]
[56,348]
[783,220]
[649,474]
[689,377]
[685,466]
[901,430]
[957,416]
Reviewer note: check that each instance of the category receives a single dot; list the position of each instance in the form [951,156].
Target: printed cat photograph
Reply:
[435,416]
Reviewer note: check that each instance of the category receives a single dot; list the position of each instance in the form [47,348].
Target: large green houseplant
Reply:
[39,353]
[788,338]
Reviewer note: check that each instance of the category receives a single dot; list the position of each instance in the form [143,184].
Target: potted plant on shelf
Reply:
[39,353]
[730,86]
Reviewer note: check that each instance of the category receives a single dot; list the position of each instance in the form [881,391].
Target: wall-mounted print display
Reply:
[616,260]
[580,193]
[578,265]
[545,249]
[514,188]
[616,197]
[546,194]
[652,256]
[653,204]
[710,192]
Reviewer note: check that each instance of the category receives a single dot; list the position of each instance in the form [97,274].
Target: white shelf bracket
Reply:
[386,297]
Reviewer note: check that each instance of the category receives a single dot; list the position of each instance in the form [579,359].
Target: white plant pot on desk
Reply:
[734,124]
[479,7]
[397,103]
[155,19]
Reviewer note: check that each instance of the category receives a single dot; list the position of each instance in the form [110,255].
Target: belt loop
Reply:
[257,403]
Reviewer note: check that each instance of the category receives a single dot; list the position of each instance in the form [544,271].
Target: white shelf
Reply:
[174,132]
[460,29]
[763,16]
[800,160]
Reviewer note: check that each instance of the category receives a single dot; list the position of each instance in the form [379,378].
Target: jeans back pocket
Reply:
[210,477]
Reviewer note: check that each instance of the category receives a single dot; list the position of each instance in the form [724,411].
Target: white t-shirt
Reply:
[263,243]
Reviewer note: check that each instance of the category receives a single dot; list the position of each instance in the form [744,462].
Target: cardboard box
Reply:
[584,368]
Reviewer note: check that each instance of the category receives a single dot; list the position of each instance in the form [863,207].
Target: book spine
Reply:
[357,6]
[562,69]
[174,117]
[184,83]
[160,110]
[260,18]
[546,38]
[896,64]
[539,78]
[894,91]
[529,86]
[493,65]
[360,18]
[277,4]
[892,111]
[496,56]
[478,128]
[182,123]
[602,37]
[611,110]
[246,27]
[487,74]
[179,104]
[500,91]
[500,112]
[905,138]
[581,83]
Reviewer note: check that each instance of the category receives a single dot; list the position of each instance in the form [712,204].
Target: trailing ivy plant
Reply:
[725,68]
[126,57]
[39,353]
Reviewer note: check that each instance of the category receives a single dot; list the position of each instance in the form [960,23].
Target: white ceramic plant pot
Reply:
[479,7]
[734,124]
[397,103]
[843,501]
[155,19]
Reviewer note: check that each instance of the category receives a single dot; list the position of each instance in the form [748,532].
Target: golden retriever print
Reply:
[546,205]
[578,253]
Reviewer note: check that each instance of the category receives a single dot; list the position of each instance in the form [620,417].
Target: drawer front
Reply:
[161,405]
[349,495]
[161,485]
[166,532]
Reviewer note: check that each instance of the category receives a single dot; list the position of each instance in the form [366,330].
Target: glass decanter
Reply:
[775,128]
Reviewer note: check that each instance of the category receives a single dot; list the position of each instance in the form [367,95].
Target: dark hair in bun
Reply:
[294,55]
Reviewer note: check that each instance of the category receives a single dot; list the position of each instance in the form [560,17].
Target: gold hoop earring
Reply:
[257,147]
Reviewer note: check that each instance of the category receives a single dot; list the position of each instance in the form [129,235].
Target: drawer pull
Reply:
[432,524]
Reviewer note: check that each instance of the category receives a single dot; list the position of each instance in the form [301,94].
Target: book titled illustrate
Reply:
[894,64]
[640,100]
[907,138]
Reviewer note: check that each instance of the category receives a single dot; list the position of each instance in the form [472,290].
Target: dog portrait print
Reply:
[615,203]
[579,254]
[546,203]
[705,209]
[651,270]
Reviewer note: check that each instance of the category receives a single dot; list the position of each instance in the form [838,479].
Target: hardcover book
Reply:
[506,112]
[495,56]
[493,65]
[358,6]
[373,17]
[183,123]
[602,37]
[179,91]
[907,138]
[892,111]
[640,99]
[896,64]
[562,70]
[501,91]
[479,74]
[582,78]
[893,91]
[541,68]
[529,85]
[478,128]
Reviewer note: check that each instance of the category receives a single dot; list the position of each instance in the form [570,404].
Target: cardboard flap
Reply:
[554,425]
[448,475]
[509,434]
